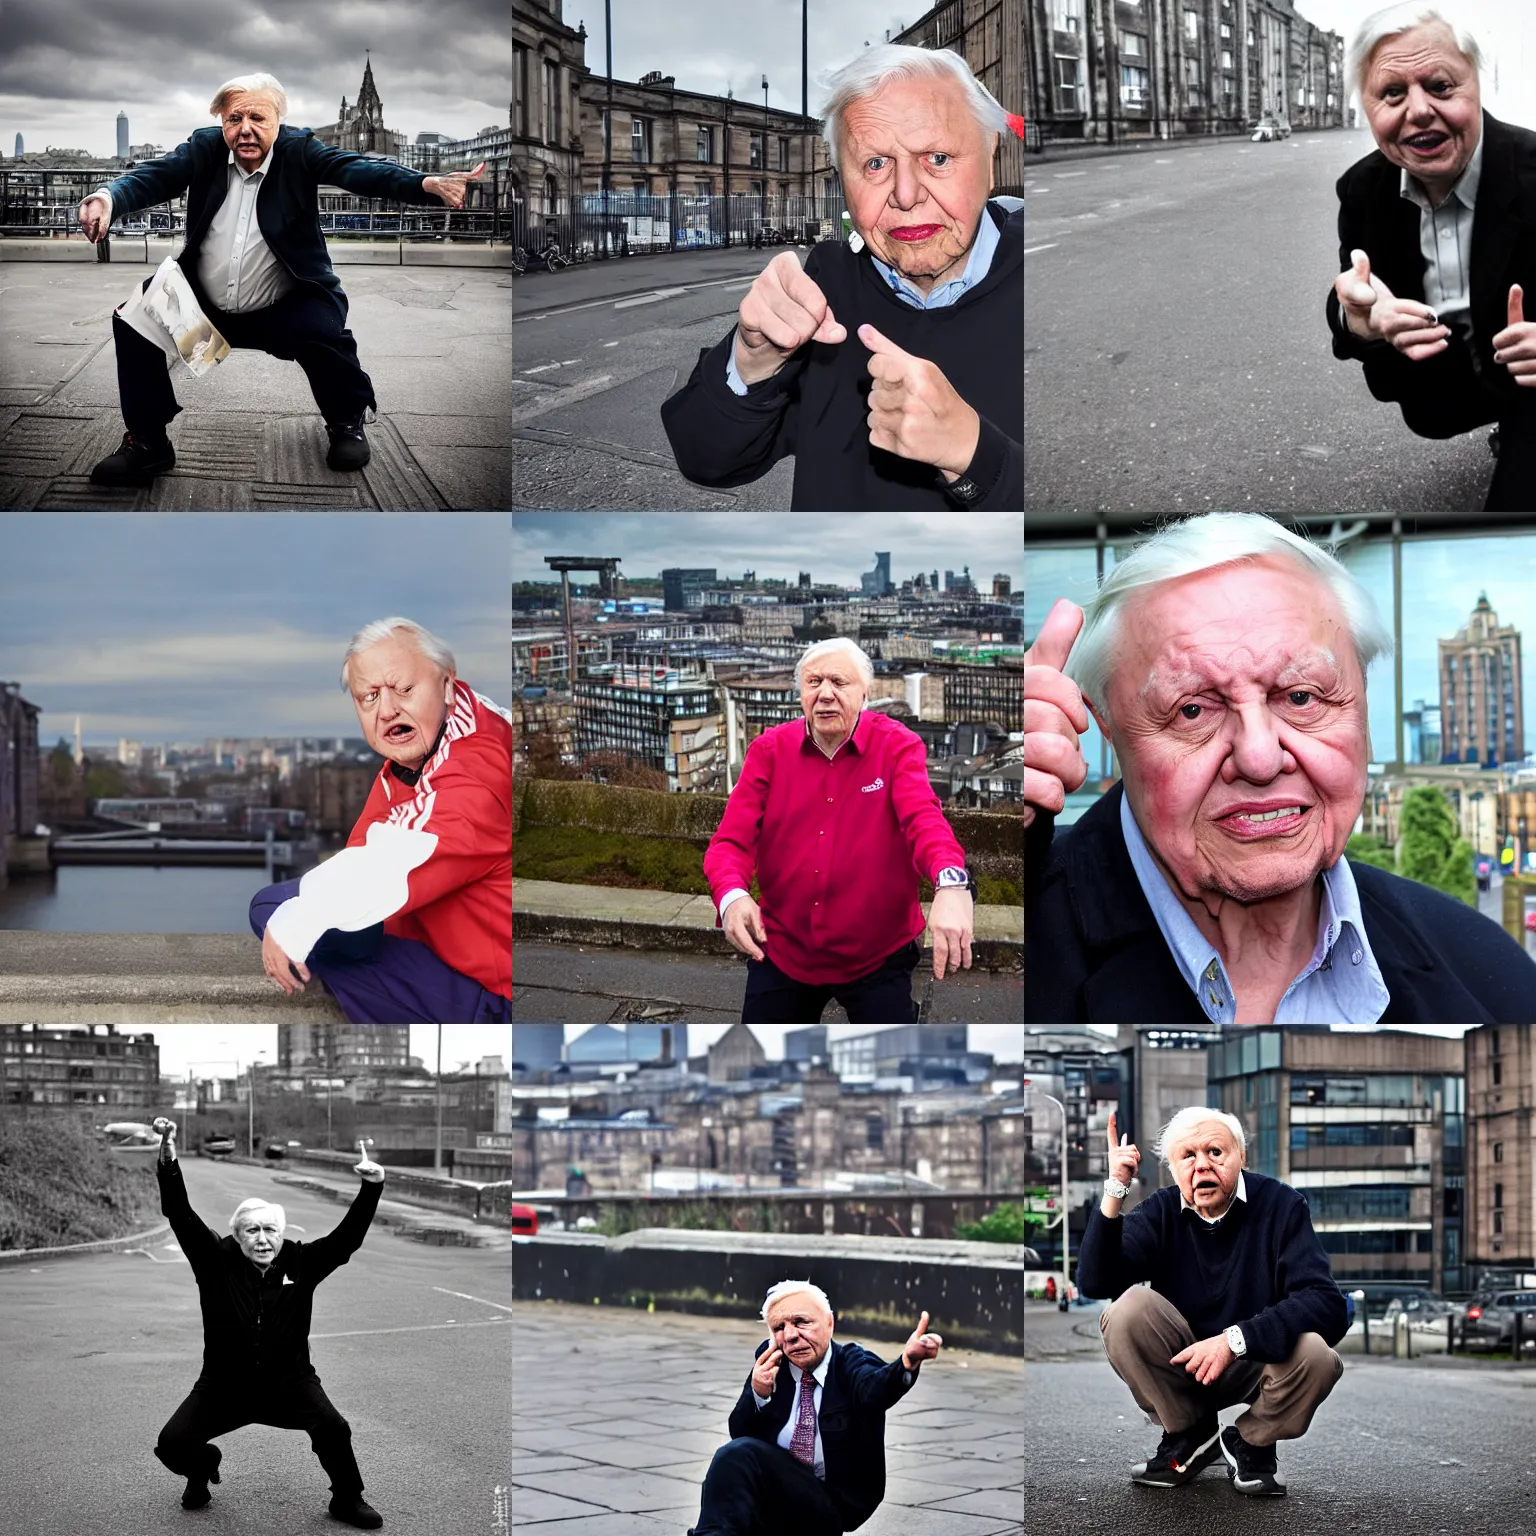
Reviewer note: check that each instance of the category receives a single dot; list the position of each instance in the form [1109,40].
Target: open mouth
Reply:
[399,733]
[1277,821]
[910,234]
[1427,143]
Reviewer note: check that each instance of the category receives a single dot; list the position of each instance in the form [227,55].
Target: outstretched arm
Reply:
[197,1241]
[337,1246]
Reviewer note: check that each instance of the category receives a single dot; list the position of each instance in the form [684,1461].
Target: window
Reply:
[1068,83]
[1498,1196]
[1191,27]
[1133,86]
[1226,31]
[1192,87]
[519,90]
[874,1132]
[703,188]
[706,145]
[756,157]
[1498,1151]
[783,154]
[1498,1223]
[1226,58]
[1067,15]
[1498,1073]
[640,140]
[1133,45]
[551,104]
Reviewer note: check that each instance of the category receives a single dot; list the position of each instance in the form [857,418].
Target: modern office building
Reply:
[537,1047]
[986,693]
[122,135]
[1501,1147]
[91,1068]
[1482,698]
[877,583]
[660,721]
[600,1045]
[683,587]
[344,1050]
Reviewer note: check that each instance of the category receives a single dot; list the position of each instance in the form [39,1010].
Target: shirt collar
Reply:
[260,169]
[819,1375]
[1210,1221]
[854,739]
[1466,184]
[1340,920]
[941,295]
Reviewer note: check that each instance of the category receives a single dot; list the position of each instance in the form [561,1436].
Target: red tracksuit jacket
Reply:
[431,861]
[837,845]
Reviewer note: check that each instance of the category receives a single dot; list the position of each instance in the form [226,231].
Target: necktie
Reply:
[802,1444]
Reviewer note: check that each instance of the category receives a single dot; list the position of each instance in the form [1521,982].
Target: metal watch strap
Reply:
[1115,1189]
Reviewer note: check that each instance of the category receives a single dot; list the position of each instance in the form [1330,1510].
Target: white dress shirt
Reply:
[1445,240]
[819,1376]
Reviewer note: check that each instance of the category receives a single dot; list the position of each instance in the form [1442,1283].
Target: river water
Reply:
[132,898]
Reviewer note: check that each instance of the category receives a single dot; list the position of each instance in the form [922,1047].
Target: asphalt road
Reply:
[596,350]
[1399,1447]
[1177,357]
[411,1342]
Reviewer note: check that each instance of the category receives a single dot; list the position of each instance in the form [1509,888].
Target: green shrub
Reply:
[1004,1225]
[59,1185]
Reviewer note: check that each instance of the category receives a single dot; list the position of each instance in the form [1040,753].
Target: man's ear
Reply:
[1099,720]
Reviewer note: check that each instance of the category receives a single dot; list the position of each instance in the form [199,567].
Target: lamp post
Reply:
[437,1145]
[1066,1226]
[805,97]
[607,120]
[763,184]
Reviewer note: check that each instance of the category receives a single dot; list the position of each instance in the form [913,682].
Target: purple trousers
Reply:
[377,978]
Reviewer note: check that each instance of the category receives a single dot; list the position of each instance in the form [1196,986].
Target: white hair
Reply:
[837,643]
[1186,1120]
[251,85]
[381,629]
[792,1288]
[1202,543]
[1393,21]
[874,68]
[256,1204]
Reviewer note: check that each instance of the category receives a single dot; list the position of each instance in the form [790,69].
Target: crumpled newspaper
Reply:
[168,314]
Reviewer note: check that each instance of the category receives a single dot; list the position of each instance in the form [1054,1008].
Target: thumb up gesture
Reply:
[1515,347]
[922,1345]
[1054,715]
[1374,313]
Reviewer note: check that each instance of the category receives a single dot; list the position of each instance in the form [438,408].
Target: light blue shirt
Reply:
[942,295]
[1340,984]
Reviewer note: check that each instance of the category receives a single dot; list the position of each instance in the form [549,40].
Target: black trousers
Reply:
[302,326]
[300,1404]
[884,996]
[756,1489]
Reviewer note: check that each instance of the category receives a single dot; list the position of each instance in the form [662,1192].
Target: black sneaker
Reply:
[349,445]
[356,1512]
[1254,1469]
[137,462]
[197,1493]
[1181,1455]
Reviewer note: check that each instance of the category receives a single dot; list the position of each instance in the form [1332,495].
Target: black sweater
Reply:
[1261,1266]
[817,406]
[255,1321]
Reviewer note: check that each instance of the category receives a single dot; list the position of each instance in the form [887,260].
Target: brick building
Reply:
[18,769]
[1501,1146]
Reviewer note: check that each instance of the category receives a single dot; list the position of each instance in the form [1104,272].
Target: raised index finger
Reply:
[922,1326]
[1054,642]
[1114,1142]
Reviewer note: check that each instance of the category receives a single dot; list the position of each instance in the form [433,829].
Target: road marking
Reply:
[1162,162]
[569,362]
[542,368]
[357,1333]
[651,298]
[610,343]
[462,1297]
[1029,250]
[1062,175]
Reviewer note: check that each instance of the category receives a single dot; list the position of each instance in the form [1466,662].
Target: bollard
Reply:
[1365,1324]
[1519,1334]
[104,248]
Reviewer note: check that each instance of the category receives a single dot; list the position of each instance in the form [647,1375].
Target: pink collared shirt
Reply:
[837,845]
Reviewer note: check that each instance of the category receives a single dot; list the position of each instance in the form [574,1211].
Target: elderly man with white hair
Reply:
[837,818]
[1225,661]
[807,1447]
[411,922]
[257,1289]
[1435,242]
[925,410]
[257,263]
[1220,1294]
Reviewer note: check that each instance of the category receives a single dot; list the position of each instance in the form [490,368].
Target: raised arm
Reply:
[337,1246]
[197,1240]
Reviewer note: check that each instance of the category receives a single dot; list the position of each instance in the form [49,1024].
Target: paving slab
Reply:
[954,1445]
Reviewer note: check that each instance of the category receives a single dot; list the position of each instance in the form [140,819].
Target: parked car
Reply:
[1388,1297]
[525,1221]
[218,1146]
[1490,1323]
[1270,129]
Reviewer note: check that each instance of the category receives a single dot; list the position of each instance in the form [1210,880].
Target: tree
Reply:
[61,766]
[1365,849]
[544,758]
[104,781]
[1431,850]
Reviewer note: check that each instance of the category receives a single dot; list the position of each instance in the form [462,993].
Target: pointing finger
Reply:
[1516,304]
[879,344]
[922,1325]
[1054,642]
[1112,1124]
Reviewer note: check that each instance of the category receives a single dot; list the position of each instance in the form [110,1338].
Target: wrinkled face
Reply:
[831,694]
[799,1327]
[1206,1162]
[259,1236]
[250,126]
[1422,99]
[401,699]
[1237,708]
[917,171]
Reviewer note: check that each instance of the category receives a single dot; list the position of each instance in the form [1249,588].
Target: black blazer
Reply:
[1375,218]
[287,207]
[859,1388]
[1093,952]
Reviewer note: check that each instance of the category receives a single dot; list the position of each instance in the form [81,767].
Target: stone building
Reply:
[989,34]
[360,128]
[1501,1147]
[1482,697]
[734,1055]
[18,770]
[1115,70]
[548,64]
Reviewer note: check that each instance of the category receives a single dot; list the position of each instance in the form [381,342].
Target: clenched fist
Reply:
[94,216]
[914,411]
[1054,715]
[781,312]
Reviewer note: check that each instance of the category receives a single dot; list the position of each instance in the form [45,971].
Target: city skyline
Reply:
[836,548]
[70,66]
[165,627]
[1004,1042]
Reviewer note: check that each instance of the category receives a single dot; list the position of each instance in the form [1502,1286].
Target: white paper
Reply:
[167,313]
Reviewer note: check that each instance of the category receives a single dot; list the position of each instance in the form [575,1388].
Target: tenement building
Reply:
[1112,70]
[1501,1147]
[548,62]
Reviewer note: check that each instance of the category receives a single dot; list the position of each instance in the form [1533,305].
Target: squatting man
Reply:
[1238,1306]
[256,1289]
[807,1447]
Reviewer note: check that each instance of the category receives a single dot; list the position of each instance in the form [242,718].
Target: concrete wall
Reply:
[136,250]
[491,1203]
[975,1303]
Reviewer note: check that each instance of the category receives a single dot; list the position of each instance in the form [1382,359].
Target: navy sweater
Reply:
[1260,1267]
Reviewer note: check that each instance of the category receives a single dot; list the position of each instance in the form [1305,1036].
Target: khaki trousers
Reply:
[1143,1331]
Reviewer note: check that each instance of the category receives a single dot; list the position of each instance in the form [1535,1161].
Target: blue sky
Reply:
[177,626]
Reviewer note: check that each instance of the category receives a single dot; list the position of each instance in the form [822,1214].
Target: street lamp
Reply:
[763,184]
[437,1145]
[1066,1226]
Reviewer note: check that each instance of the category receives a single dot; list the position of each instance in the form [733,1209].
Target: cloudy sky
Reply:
[1004,1041]
[832,547]
[214,1048]
[68,66]
[166,627]
[685,38]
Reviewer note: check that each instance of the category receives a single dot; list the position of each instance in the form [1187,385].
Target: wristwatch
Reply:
[1235,1340]
[1115,1189]
[954,875]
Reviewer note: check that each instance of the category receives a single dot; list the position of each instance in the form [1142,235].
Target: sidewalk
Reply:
[436,341]
[1141,146]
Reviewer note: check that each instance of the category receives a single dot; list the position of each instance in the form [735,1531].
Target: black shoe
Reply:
[356,1512]
[197,1493]
[1181,1455]
[349,445]
[137,462]
[1254,1469]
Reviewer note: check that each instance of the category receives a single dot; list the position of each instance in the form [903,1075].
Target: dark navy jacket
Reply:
[1093,952]
[1261,1266]
[859,1389]
[255,1321]
[287,207]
